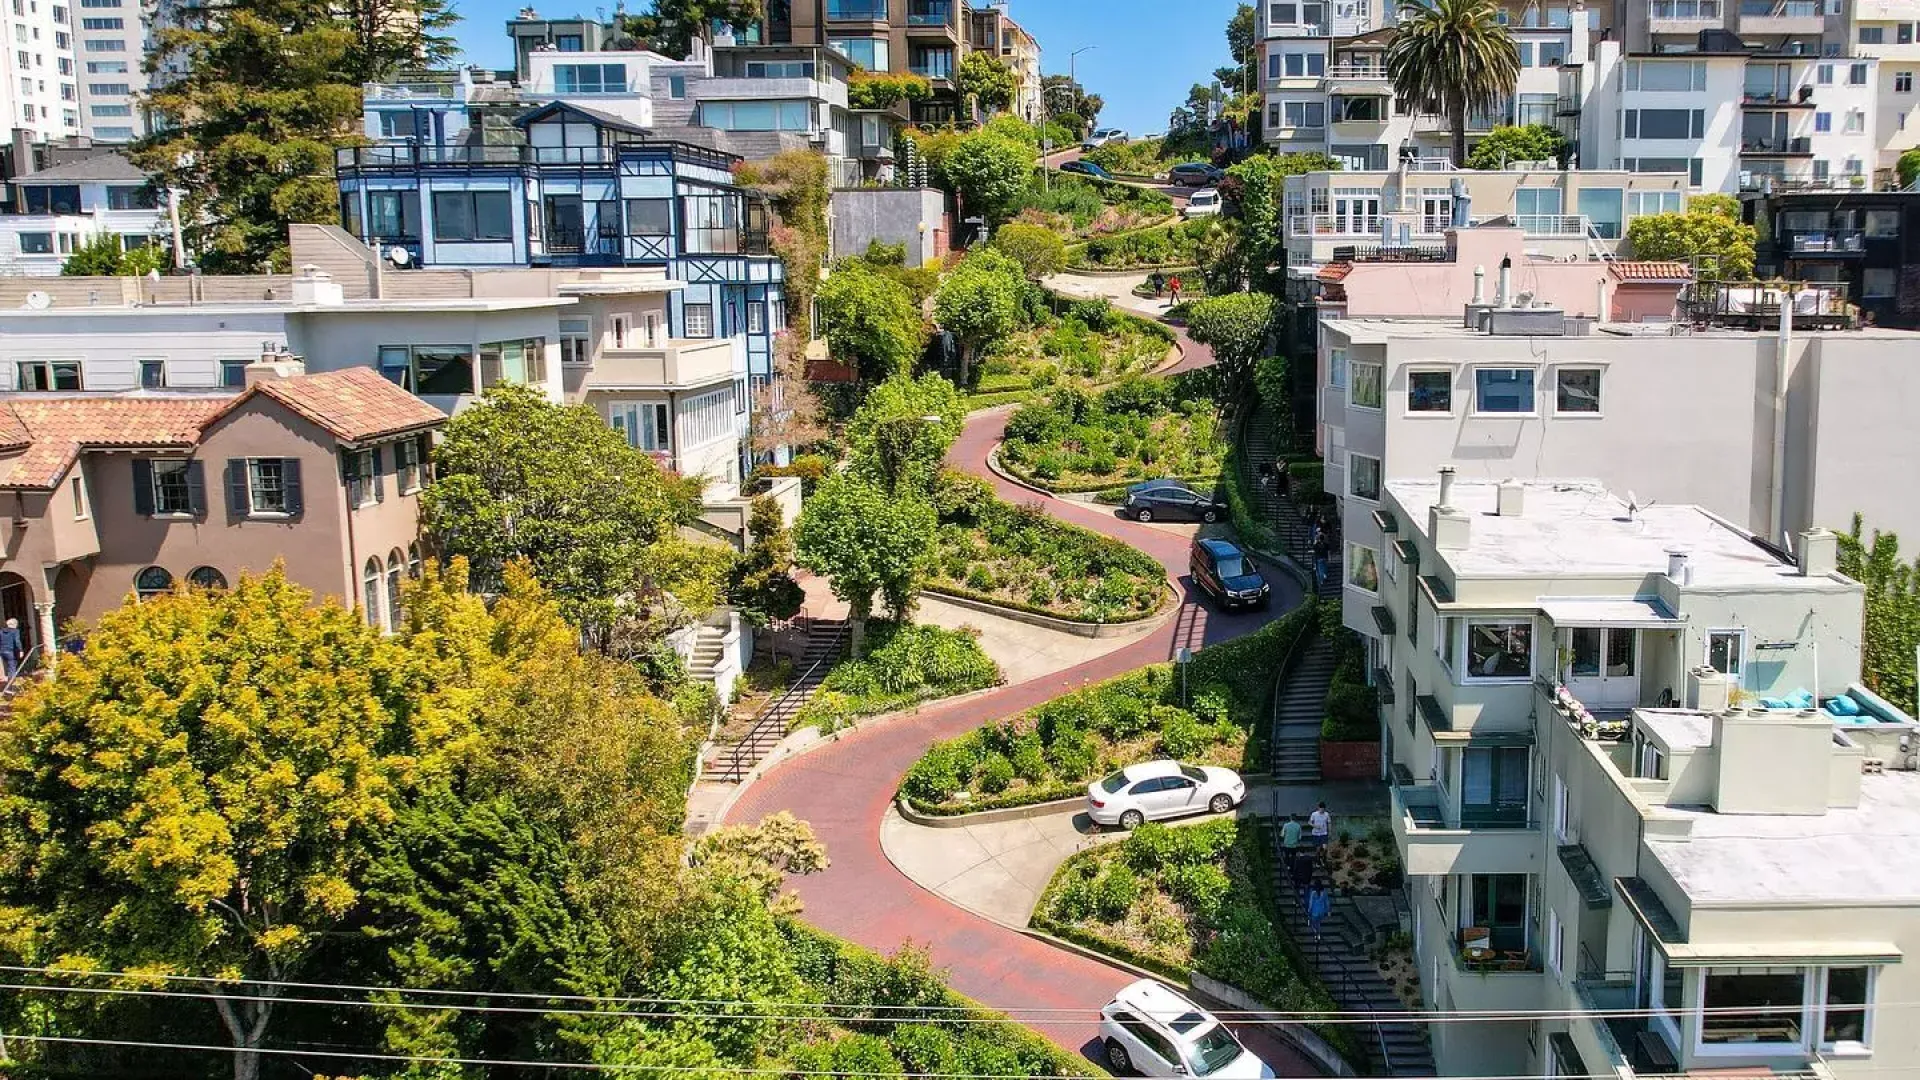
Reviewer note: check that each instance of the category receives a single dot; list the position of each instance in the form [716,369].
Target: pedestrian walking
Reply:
[1173,288]
[1282,482]
[1321,549]
[1319,904]
[1290,834]
[1320,826]
[12,649]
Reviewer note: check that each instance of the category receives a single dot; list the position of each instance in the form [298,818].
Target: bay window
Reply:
[1499,648]
[1749,1006]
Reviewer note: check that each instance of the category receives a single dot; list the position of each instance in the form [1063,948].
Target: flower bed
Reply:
[1144,249]
[1087,344]
[1050,752]
[904,665]
[1134,430]
[1085,206]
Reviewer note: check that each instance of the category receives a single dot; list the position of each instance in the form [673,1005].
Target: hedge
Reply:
[1353,707]
[1031,796]
[949,589]
[904,665]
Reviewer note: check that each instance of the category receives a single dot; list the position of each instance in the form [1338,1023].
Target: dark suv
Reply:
[1170,500]
[1195,174]
[1225,571]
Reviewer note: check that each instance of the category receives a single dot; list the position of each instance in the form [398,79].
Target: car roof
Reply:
[1163,482]
[1206,193]
[1163,1006]
[1147,770]
[1219,547]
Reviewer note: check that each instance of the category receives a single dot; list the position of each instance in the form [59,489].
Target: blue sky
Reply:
[1147,53]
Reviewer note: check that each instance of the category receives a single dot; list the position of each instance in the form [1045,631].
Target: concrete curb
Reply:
[1089,953]
[1054,623]
[1033,810]
[1299,1036]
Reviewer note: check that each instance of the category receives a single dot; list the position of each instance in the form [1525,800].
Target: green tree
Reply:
[979,304]
[902,431]
[1069,103]
[200,792]
[1892,612]
[988,81]
[1262,241]
[1305,161]
[1908,166]
[884,90]
[763,586]
[871,321]
[266,91]
[796,181]
[1040,251]
[866,541]
[518,477]
[1506,144]
[671,25]
[1454,57]
[1705,230]
[98,257]
[1243,44]
[988,173]
[1236,327]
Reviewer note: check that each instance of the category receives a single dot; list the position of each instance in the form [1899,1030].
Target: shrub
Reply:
[1211,705]
[1029,760]
[959,498]
[1072,759]
[996,774]
[923,1049]
[1181,736]
[981,579]
[1151,847]
[1073,901]
[1095,314]
[1138,396]
[1202,887]
[1115,892]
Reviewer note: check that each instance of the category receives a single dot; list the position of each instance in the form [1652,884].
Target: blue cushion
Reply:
[1843,706]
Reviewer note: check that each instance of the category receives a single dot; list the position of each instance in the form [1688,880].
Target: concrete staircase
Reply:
[1295,746]
[709,652]
[826,639]
[1339,958]
[1288,518]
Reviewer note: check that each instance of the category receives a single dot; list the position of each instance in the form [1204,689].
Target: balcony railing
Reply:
[1798,145]
[1780,9]
[1704,10]
[929,14]
[1356,71]
[1486,954]
[1841,242]
[412,91]
[857,10]
[408,155]
[1393,253]
[1534,226]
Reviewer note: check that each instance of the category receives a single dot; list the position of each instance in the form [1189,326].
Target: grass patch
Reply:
[1051,751]
[904,665]
[1134,430]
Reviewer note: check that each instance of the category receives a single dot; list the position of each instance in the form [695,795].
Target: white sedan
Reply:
[1163,789]
[1202,203]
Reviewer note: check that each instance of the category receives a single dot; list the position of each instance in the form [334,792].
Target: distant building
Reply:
[55,211]
[1857,239]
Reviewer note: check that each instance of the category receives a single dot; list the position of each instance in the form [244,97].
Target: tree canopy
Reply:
[263,91]
[762,585]
[103,256]
[871,321]
[670,26]
[988,172]
[979,303]
[1454,57]
[901,432]
[1236,327]
[1506,144]
[1040,251]
[1069,103]
[1709,229]
[866,540]
[884,90]
[1892,612]
[988,81]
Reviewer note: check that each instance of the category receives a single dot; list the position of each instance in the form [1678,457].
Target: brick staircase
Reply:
[1262,445]
[826,639]
[1339,957]
[1295,747]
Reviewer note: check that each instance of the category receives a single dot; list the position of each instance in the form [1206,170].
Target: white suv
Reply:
[1153,1031]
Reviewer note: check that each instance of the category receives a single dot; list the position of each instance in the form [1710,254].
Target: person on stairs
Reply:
[1282,483]
[1320,826]
[1319,904]
[1322,549]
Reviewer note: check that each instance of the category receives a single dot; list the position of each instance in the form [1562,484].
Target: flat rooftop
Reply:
[1846,855]
[455,305]
[1577,527]
[1680,729]
[1381,331]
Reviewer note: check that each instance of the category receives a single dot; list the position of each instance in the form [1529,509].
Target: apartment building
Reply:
[1856,240]
[992,31]
[39,88]
[112,43]
[113,495]
[1884,30]
[1636,785]
[58,210]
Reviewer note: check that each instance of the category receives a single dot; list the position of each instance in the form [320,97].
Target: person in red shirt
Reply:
[1173,289]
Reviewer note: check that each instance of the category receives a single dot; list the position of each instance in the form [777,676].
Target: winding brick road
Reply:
[844,789]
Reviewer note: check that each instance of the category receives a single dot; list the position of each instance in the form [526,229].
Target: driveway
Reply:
[846,788]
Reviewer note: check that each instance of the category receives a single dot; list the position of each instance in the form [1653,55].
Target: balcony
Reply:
[1833,242]
[923,14]
[677,365]
[1356,79]
[438,91]
[1781,17]
[1683,16]
[1768,99]
[1800,146]
[765,89]
[1434,838]
[856,10]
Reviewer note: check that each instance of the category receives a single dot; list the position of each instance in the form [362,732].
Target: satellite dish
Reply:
[399,256]
[39,300]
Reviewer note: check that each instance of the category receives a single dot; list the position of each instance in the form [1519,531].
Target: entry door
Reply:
[1604,671]
[1357,215]
[566,223]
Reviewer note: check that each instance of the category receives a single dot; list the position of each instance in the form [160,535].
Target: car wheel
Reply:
[1132,820]
[1209,516]
[1143,514]
[1221,803]
[1117,1057]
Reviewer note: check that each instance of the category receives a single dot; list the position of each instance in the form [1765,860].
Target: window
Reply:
[1662,123]
[172,486]
[1883,223]
[110,45]
[1430,392]
[869,53]
[1904,33]
[779,69]
[49,375]
[1503,390]
[1878,282]
[393,215]
[1873,35]
[233,373]
[393,591]
[1747,1006]
[79,495]
[103,24]
[472,215]
[1366,390]
[1903,82]
[644,424]
[756,116]
[522,362]
[370,591]
[1844,1017]
[1556,942]
[265,486]
[1337,368]
[1655,202]
[1857,75]
[413,560]
[36,243]
[206,577]
[151,582]
[576,341]
[130,197]
[590,78]
[677,87]
[1559,805]
[707,418]
[568,43]
[1576,390]
[1823,74]
[361,470]
[622,327]
[1822,122]
[1856,122]
[428,369]
[409,464]
[1305,64]
[1499,649]
[933,63]
[1363,568]
[712,223]
[1304,114]
[1363,477]
[756,317]
[1727,652]
[649,217]
[699,320]
[1653,763]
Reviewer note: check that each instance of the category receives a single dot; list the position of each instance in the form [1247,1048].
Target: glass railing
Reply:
[1687,9]
[1780,9]
[857,9]
[929,14]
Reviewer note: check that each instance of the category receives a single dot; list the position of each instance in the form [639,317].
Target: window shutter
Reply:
[350,477]
[290,472]
[379,475]
[197,488]
[238,503]
[424,454]
[142,486]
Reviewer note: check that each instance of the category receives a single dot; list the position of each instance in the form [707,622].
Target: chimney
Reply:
[275,363]
[1446,488]
[1479,285]
[1708,690]
[316,286]
[1679,569]
[1450,529]
[23,163]
[1512,498]
[1819,553]
[1505,294]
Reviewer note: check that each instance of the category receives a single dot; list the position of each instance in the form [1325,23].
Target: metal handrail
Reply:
[735,768]
[27,665]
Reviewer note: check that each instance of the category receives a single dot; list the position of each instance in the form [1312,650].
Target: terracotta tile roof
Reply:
[1652,271]
[55,430]
[352,405]
[1335,271]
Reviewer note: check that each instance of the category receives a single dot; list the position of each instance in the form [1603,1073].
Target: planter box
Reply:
[1349,760]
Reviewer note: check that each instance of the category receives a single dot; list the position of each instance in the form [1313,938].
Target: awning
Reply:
[1386,521]
[1382,618]
[1630,613]
[1660,925]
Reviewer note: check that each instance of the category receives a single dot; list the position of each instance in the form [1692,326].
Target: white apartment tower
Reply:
[38,83]
[111,42]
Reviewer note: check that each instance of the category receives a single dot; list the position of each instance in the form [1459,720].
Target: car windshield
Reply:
[1193,774]
[1201,198]
[1233,566]
[1114,783]
[1215,1049]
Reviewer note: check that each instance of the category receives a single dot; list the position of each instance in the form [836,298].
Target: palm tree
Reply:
[1455,56]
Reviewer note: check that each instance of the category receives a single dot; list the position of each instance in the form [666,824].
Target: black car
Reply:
[1170,500]
[1195,174]
[1224,571]
[1086,168]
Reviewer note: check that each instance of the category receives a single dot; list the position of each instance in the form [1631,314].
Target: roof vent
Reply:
[1525,322]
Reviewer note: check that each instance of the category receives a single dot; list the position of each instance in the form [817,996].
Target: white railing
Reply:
[1356,71]
[1414,225]
[1686,9]
[446,91]
[1429,164]
[1552,226]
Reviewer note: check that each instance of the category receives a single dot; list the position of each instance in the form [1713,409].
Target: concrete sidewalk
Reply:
[1117,290]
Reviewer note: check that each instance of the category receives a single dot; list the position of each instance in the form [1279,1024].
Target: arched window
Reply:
[370,591]
[413,560]
[153,581]
[207,577]
[393,590]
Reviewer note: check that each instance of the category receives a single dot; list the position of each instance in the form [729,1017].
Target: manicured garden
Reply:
[1050,752]
[1147,157]
[1084,207]
[1017,556]
[1143,249]
[1138,429]
[1087,344]
[903,665]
